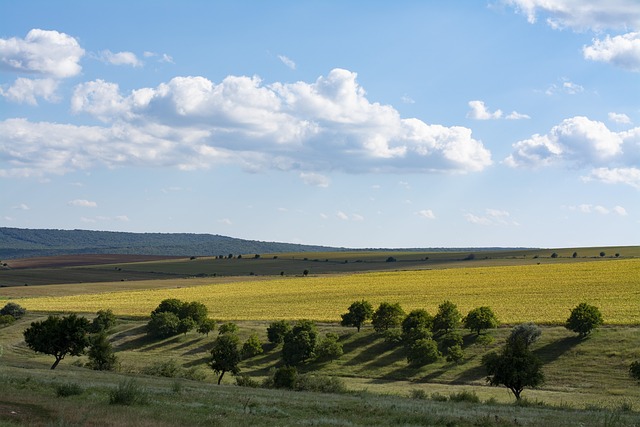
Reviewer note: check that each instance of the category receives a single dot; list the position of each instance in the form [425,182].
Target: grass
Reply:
[541,293]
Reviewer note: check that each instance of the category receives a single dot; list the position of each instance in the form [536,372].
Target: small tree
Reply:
[58,336]
[358,313]
[516,367]
[225,355]
[185,325]
[252,347]
[13,309]
[387,316]
[206,326]
[634,370]
[584,319]
[479,319]
[422,352]
[104,320]
[329,348]
[195,310]
[163,324]
[447,318]
[277,330]
[171,305]
[526,333]
[417,325]
[101,354]
[300,343]
[228,328]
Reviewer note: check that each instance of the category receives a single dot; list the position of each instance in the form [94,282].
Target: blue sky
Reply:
[377,124]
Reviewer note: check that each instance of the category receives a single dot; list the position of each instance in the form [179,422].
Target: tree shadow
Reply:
[387,358]
[555,349]
[187,344]
[358,343]
[164,343]
[369,354]
[202,348]
[475,373]
[197,362]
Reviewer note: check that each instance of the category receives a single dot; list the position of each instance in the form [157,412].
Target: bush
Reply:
[437,397]
[128,392]
[6,319]
[392,337]
[245,380]
[300,343]
[418,393]
[634,370]
[252,347]
[455,354]
[206,326]
[167,368]
[329,348]
[163,324]
[104,320]
[68,389]
[285,377]
[479,319]
[423,352]
[228,328]
[14,310]
[101,355]
[277,330]
[319,383]
[464,396]
[450,339]
[584,319]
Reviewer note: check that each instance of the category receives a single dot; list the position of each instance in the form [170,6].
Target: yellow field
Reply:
[539,293]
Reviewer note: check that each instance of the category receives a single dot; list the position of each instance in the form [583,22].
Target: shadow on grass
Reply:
[386,359]
[188,343]
[555,349]
[198,362]
[369,354]
[350,345]
[164,343]
[205,347]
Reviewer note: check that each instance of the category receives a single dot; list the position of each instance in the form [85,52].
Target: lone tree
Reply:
[358,313]
[225,355]
[58,336]
[584,318]
[479,319]
[515,367]
[447,318]
[387,316]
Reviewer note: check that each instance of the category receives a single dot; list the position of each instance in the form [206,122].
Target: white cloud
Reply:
[315,179]
[22,207]
[622,51]
[620,210]
[427,213]
[407,99]
[491,217]
[42,52]
[629,176]
[576,140]
[121,218]
[474,219]
[599,209]
[565,87]
[192,122]
[120,58]
[288,62]
[82,203]
[514,115]
[162,58]
[581,14]
[357,217]
[27,91]
[619,118]
[480,112]
[343,216]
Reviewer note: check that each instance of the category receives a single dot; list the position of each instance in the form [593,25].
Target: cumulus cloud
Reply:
[619,118]
[120,58]
[581,14]
[43,52]
[622,51]
[576,140]
[82,203]
[629,176]
[192,122]
[480,112]
[27,91]
[288,62]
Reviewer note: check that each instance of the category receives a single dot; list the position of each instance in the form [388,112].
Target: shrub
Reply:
[634,370]
[329,348]
[464,396]
[455,353]
[104,320]
[166,368]
[101,355]
[277,330]
[68,389]
[584,319]
[450,339]
[6,319]
[194,373]
[285,377]
[252,347]
[228,328]
[319,383]
[245,380]
[418,393]
[128,392]
[300,343]
[206,326]
[163,324]
[392,337]
[423,352]
[13,309]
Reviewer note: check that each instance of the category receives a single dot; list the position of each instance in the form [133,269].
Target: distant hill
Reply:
[28,243]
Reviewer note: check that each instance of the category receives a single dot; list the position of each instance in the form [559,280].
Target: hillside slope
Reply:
[26,243]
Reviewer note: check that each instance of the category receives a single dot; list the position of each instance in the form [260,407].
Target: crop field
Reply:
[542,293]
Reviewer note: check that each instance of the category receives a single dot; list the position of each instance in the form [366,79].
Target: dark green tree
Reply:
[422,352]
[58,336]
[479,319]
[584,319]
[417,325]
[185,325]
[277,330]
[228,328]
[387,316]
[170,305]
[446,319]
[515,367]
[300,343]
[195,310]
[104,320]
[225,355]
[163,324]
[357,314]
[206,326]
[634,370]
[101,354]
[329,348]
[252,346]
[13,309]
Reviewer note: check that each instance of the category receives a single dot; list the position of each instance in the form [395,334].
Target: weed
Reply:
[128,392]
[418,393]
[464,396]
[68,389]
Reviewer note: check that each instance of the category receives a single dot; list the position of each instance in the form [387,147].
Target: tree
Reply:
[329,347]
[13,309]
[225,355]
[357,313]
[422,352]
[195,310]
[277,330]
[526,333]
[300,343]
[252,346]
[101,354]
[417,325]
[104,320]
[479,319]
[634,370]
[515,367]
[163,324]
[447,318]
[58,336]
[387,316]
[185,325]
[206,326]
[171,305]
[584,318]
[228,328]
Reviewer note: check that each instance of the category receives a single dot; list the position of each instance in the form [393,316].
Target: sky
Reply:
[408,124]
